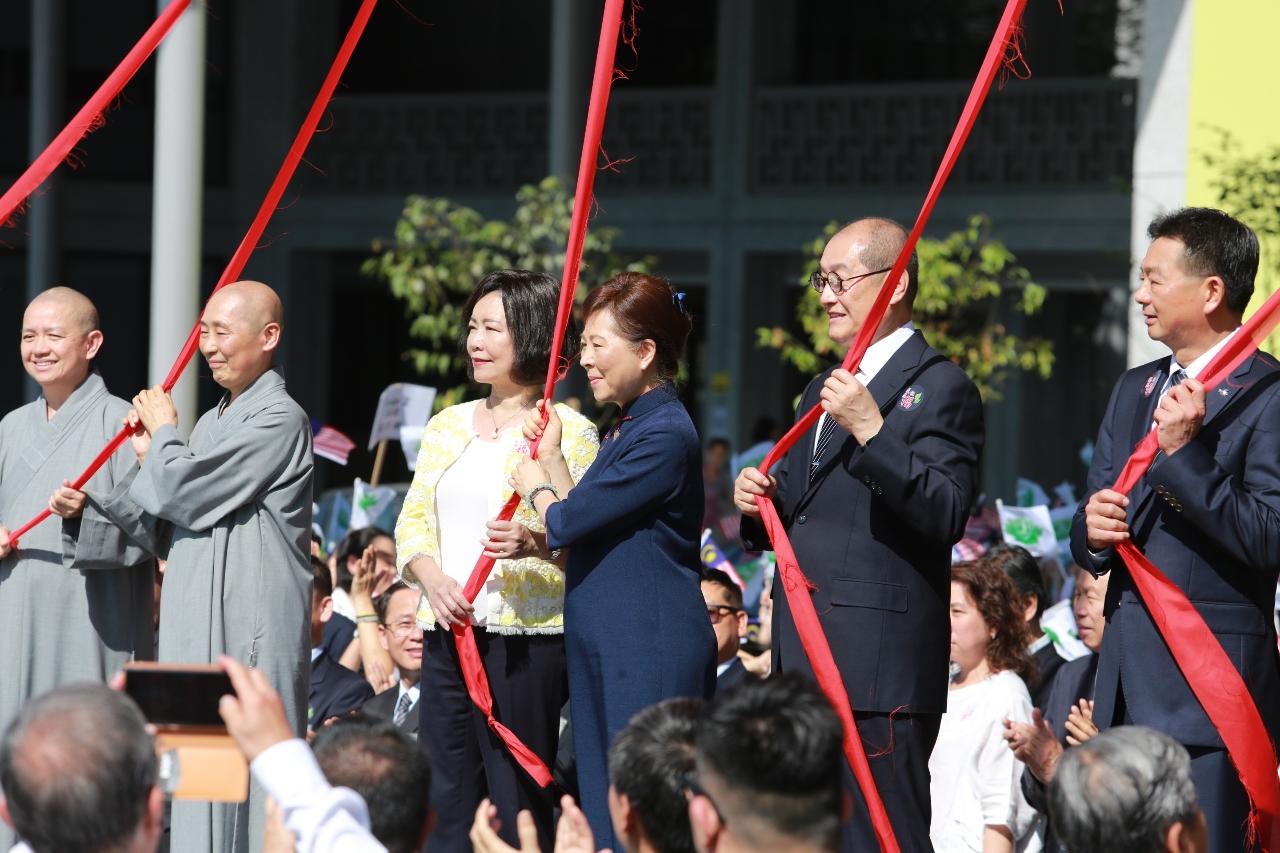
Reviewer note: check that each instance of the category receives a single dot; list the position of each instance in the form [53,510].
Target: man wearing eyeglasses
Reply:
[401,636]
[872,500]
[728,621]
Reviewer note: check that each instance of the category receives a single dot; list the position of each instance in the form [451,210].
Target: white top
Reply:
[974,778]
[875,358]
[463,500]
[324,819]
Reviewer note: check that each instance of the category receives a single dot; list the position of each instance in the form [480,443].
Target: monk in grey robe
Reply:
[76,594]
[236,499]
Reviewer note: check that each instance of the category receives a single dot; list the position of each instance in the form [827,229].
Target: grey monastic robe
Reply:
[76,598]
[237,498]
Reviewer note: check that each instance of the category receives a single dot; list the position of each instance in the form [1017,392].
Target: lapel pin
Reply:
[1150,386]
[911,398]
[1223,391]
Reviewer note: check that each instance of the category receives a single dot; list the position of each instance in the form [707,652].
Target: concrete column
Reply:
[1160,152]
[575,26]
[48,97]
[177,201]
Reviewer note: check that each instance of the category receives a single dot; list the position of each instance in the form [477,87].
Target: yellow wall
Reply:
[1235,82]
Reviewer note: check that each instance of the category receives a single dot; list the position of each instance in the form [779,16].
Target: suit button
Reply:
[802,519]
[879,491]
[1162,489]
[1177,506]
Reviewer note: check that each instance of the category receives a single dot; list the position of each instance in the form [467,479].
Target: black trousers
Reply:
[468,761]
[898,748]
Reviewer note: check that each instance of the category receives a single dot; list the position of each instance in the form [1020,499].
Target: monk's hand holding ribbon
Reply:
[848,402]
[750,483]
[138,436]
[1179,415]
[5,548]
[67,501]
[155,409]
[509,540]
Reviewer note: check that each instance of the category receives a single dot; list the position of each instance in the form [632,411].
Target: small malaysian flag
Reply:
[330,443]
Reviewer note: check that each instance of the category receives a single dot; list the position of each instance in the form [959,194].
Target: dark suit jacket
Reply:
[335,690]
[383,707]
[732,676]
[1048,662]
[1209,518]
[873,531]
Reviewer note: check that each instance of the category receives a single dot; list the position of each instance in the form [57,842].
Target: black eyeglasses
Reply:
[716,612]
[838,285]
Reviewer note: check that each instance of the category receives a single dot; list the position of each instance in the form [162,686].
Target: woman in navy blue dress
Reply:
[636,626]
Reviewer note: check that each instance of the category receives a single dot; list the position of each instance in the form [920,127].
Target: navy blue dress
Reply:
[635,623]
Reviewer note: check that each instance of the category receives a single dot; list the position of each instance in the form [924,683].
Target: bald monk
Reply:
[76,595]
[234,502]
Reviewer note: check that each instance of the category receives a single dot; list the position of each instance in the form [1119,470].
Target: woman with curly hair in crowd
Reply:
[974,778]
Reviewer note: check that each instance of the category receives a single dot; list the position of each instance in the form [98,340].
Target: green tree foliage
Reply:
[442,249]
[969,281]
[1247,186]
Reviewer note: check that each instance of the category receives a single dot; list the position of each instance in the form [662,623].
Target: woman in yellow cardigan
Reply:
[461,482]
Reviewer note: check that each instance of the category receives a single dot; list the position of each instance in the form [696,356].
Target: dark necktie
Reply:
[825,433]
[402,708]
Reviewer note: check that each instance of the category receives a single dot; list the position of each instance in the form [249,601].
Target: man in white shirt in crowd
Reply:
[401,635]
[79,772]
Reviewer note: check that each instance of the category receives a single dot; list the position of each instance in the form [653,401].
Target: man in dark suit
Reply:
[335,690]
[873,499]
[1207,512]
[401,635]
[729,622]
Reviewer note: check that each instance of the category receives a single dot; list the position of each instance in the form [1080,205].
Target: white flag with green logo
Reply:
[1028,526]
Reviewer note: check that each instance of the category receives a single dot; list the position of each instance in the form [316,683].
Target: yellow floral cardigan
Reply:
[526,596]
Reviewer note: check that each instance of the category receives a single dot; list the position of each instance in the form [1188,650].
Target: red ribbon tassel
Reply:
[250,240]
[89,118]
[473,674]
[795,584]
[1210,673]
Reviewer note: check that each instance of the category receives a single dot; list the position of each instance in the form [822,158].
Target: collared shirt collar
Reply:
[412,691]
[879,353]
[1195,368]
[650,400]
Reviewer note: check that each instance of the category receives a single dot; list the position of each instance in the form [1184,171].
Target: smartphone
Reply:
[178,695]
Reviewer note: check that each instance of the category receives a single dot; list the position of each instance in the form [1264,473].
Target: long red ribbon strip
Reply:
[250,240]
[795,584]
[89,115]
[1212,677]
[473,674]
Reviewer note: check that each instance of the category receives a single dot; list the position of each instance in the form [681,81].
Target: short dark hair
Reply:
[1214,243]
[775,746]
[1023,569]
[387,768]
[530,301]
[321,582]
[644,307]
[353,545]
[887,240]
[77,767]
[721,578]
[650,762]
[383,601]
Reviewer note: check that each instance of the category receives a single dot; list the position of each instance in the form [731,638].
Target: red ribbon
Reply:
[473,674]
[794,582]
[1209,672]
[90,116]
[250,240]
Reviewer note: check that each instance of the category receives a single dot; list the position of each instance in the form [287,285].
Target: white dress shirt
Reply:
[873,360]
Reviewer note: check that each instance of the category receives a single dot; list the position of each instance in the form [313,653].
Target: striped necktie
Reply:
[402,708]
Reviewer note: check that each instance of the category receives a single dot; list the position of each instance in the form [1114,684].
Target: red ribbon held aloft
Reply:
[250,240]
[90,115]
[794,583]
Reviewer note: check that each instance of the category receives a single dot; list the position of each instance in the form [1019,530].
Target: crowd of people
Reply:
[611,654]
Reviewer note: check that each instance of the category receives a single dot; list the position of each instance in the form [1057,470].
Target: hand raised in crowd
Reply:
[1080,727]
[255,715]
[527,475]
[367,577]
[139,438]
[67,501]
[509,540]
[848,402]
[1034,745]
[1105,520]
[484,832]
[551,433]
[379,677]
[750,483]
[444,594]
[573,833]
[1179,415]
[155,409]
[5,547]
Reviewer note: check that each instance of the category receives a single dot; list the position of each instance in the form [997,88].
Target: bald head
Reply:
[239,333]
[80,314]
[878,241]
